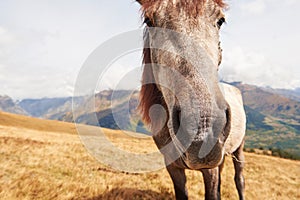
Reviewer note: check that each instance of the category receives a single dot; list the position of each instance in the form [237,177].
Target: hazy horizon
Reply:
[297,90]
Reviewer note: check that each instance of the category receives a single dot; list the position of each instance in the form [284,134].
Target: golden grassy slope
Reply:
[20,121]
[42,159]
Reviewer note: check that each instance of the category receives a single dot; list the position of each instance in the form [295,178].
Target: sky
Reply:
[44,43]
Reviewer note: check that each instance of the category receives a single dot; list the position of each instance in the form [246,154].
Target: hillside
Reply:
[43,159]
[47,108]
[273,115]
[25,122]
[109,106]
[291,94]
[270,103]
[8,105]
[273,121]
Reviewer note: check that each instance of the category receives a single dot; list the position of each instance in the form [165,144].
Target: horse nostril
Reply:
[178,114]
[176,118]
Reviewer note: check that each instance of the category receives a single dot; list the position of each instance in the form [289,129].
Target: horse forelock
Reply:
[192,7]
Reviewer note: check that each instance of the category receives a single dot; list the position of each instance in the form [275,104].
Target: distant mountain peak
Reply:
[8,105]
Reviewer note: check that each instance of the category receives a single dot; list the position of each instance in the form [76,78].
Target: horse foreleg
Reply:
[179,180]
[239,163]
[220,171]
[211,182]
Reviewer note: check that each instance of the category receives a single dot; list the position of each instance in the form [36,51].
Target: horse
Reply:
[194,119]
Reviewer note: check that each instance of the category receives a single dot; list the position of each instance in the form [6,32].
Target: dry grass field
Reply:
[42,159]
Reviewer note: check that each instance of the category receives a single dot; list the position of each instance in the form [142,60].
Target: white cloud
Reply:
[6,38]
[254,6]
[255,68]
[262,48]
[8,42]
[291,2]
[43,45]
[123,73]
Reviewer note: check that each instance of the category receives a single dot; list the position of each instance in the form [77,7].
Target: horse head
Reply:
[181,55]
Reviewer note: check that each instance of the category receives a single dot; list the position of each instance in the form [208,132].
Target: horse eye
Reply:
[148,22]
[220,22]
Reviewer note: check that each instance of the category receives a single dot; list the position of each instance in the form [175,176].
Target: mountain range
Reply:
[273,115]
[8,105]
[273,118]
